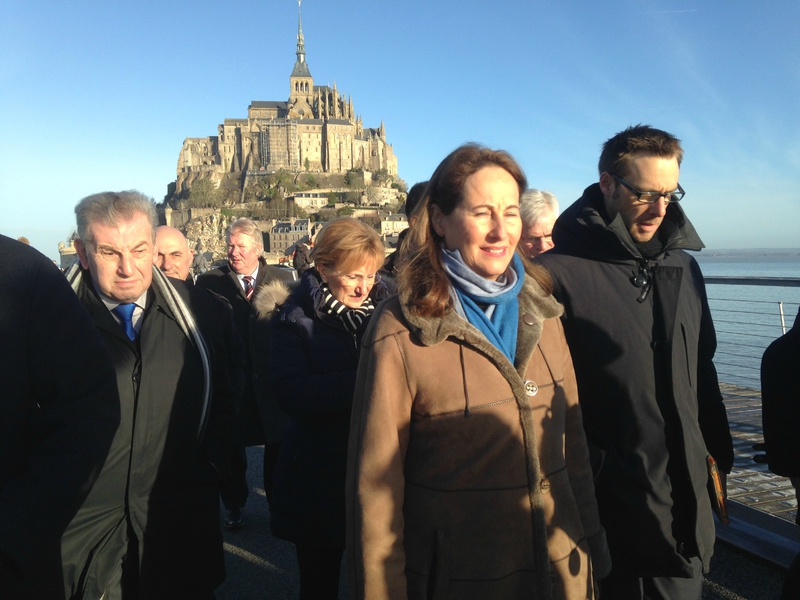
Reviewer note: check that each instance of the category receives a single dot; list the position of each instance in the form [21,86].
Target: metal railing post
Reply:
[783,321]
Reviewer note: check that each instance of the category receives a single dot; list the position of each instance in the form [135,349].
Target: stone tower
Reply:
[300,82]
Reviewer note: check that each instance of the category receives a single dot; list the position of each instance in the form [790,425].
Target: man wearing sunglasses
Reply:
[642,340]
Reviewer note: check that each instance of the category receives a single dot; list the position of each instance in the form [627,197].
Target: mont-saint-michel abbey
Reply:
[286,159]
[316,130]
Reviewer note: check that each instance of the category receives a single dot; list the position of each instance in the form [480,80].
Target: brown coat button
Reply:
[531,389]
[528,319]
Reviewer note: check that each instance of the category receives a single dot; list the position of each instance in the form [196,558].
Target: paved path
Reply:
[259,566]
[751,483]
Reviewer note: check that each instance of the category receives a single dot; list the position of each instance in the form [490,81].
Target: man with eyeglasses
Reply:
[642,340]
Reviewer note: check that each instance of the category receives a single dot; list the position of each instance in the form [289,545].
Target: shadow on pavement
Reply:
[260,566]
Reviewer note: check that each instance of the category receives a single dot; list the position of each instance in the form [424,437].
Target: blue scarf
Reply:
[499,322]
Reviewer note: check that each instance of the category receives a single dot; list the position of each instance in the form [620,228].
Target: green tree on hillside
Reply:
[204,194]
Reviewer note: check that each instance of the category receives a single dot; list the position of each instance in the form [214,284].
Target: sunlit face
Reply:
[646,174]
[351,286]
[174,257]
[485,226]
[538,236]
[119,258]
[243,253]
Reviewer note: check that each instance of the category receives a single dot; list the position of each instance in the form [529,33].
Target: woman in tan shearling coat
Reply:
[468,471]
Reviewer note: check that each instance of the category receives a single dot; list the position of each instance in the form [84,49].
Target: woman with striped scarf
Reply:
[314,349]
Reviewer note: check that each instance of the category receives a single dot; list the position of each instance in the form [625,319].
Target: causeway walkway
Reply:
[751,483]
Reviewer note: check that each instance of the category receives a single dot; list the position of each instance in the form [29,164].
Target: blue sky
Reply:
[99,96]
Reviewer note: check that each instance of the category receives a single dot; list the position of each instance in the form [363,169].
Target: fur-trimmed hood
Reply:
[269,297]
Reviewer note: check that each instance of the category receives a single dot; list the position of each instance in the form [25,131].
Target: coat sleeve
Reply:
[228,379]
[379,433]
[579,468]
[780,404]
[712,417]
[304,390]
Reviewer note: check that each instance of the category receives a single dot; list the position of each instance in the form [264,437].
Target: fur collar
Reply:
[534,308]
[269,297]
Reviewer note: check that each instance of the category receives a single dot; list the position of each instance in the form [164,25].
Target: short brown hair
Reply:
[423,273]
[346,243]
[637,140]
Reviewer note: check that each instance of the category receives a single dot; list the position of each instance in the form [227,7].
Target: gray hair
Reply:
[245,226]
[533,204]
[111,208]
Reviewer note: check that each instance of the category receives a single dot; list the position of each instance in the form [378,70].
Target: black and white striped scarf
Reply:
[351,318]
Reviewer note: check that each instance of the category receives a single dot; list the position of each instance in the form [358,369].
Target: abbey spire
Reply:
[300,65]
[301,47]
[301,83]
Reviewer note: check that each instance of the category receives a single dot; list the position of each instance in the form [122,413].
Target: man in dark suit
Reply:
[260,420]
[57,419]
[174,256]
[149,528]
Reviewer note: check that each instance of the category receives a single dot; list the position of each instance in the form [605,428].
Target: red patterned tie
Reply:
[248,286]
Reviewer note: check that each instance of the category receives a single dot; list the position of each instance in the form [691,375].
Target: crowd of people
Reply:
[516,404]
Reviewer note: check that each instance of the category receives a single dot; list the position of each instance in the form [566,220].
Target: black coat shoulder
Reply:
[780,403]
[59,409]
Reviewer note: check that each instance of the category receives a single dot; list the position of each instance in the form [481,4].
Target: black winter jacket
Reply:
[59,409]
[258,418]
[313,363]
[647,384]
[780,402]
[160,481]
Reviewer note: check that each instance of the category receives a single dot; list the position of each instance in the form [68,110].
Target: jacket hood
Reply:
[584,231]
[269,297]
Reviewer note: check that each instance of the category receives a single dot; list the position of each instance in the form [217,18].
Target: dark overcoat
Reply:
[649,392]
[59,410]
[161,480]
[313,363]
[259,420]
[780,402]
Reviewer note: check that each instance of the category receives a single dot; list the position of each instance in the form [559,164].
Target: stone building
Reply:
[392,224]
[284,234]
[310,202]
[315,130]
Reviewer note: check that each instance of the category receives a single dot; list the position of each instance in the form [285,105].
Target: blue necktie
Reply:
[125,313]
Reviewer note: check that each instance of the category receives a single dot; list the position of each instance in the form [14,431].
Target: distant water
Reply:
[747,318]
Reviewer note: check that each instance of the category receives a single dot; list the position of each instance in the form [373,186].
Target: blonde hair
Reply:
[248,227]
[345,244]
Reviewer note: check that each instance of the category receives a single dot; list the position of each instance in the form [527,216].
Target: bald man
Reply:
[174,255]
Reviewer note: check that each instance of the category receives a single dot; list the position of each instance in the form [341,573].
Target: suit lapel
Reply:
[262,274]
[234,281]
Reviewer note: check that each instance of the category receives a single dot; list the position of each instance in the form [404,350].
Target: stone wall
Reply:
[206,233]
